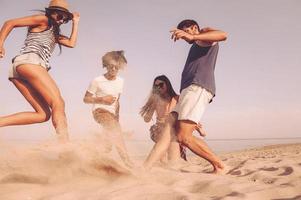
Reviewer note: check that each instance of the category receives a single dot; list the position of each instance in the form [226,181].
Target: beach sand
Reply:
[79,171]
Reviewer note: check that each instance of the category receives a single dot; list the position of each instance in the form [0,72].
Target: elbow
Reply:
[9,24]
[85,100]
[71,45]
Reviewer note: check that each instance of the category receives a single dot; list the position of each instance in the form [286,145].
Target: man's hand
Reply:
[2,52]
[177,34]
[108,100]
[199,128]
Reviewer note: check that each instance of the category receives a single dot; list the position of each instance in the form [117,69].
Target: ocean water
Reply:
[141,148]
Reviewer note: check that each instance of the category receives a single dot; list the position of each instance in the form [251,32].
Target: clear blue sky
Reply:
[257,73]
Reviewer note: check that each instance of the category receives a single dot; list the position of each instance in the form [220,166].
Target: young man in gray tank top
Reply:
[197,85]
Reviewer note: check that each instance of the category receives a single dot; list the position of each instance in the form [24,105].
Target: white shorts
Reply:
[192,103]
[28,58]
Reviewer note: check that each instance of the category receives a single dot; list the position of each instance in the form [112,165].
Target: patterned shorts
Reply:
[155,134]
[105,118]
[155,131]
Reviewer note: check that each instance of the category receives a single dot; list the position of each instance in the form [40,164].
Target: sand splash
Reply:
[82,171]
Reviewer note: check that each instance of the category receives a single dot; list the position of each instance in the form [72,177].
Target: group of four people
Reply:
[177,115]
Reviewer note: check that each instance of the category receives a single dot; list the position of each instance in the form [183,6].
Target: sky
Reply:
[257,71]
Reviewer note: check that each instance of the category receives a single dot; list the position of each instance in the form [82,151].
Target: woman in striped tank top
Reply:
[29,69]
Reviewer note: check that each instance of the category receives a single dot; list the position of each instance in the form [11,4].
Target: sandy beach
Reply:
[80,171]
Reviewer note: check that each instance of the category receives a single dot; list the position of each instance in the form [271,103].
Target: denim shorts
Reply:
[28,58]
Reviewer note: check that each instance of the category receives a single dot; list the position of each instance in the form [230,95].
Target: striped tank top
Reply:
[41,43]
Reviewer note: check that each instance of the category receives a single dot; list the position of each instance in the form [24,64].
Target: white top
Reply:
[101,86]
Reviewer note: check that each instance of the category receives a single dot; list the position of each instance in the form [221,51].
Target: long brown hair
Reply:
[55,25]
[154,98]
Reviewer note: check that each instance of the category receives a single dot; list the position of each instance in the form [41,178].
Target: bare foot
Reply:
[223,170]
[62,136]
[199,128]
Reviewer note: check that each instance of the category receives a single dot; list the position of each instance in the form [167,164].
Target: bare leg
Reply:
[113,132]
[199,128]
[41,109]
[199,147]
[107,141]
[118,141]
[174,154]
[41,81]
[161,147]
[164,159]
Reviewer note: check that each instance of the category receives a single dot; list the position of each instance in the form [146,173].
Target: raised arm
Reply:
[30,21]
[148,110]
[71,41]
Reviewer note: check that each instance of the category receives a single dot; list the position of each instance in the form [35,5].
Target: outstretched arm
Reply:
[71,41]
[208,35]
[31,21]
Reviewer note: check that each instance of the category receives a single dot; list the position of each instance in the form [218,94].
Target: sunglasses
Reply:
[159,85]
[110,66]
[63,17]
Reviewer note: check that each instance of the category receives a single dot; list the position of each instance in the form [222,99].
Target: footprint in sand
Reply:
[269,169]
[232,194]
[235,173]
[247,174]
[269,180]
[287,171]
[235,170]
[293,198]
[22,178]
[259,177]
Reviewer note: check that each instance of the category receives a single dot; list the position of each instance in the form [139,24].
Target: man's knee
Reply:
[185,139]
[184,131]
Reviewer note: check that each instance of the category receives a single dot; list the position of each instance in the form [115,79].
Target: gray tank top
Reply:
[199,67]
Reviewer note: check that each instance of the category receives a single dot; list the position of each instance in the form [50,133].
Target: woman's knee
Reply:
[43,116]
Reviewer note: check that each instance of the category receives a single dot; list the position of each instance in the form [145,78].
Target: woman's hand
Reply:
[76,17]
[108,100]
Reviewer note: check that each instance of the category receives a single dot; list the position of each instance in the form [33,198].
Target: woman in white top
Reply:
[104,93]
